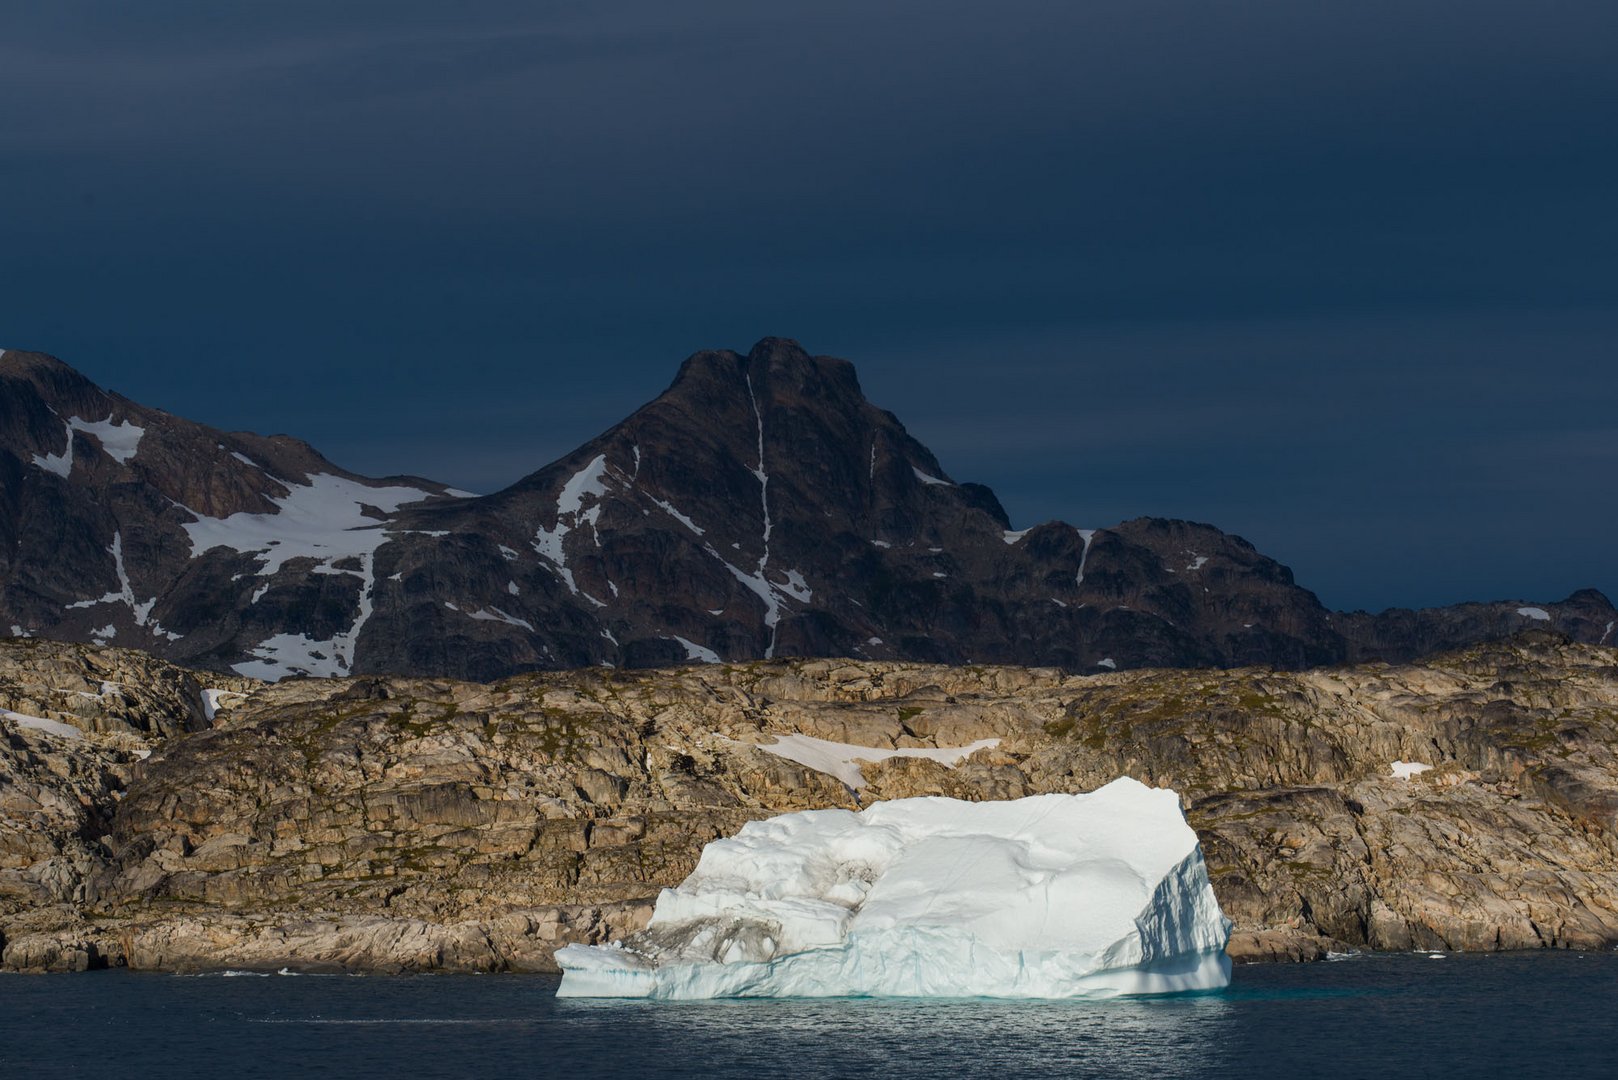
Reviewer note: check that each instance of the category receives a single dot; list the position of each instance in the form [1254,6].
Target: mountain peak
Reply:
[51,378]
[26,362]
[776,349]
[773,367]
[759,507]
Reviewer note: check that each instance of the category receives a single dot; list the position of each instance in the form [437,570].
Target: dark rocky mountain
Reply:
[760,507]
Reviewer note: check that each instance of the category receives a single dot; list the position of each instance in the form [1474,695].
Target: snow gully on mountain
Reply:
[772,616]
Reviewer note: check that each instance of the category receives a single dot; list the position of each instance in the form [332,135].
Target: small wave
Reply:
[433,1022]
[244,973]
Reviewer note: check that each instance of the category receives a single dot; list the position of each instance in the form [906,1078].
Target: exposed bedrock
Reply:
[408,824]
[760,507]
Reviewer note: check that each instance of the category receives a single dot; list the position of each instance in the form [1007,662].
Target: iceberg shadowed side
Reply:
[1052,896]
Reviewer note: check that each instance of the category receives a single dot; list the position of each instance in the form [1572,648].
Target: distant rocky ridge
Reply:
[384,824]
[758,508]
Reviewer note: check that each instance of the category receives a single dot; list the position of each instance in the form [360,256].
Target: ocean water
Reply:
[1515,1015]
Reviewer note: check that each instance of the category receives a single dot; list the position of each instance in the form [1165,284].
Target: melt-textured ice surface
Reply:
[1052,896]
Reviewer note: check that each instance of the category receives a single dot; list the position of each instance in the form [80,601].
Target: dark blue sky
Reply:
[1340,277]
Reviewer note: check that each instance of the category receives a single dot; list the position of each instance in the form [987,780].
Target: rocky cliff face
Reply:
[758,508]
[385,824]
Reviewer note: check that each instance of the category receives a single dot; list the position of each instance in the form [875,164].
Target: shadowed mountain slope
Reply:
[760,507]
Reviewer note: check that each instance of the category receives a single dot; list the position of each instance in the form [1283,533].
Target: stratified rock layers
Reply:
[393,824]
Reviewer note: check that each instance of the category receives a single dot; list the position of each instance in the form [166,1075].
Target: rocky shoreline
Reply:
[391,824]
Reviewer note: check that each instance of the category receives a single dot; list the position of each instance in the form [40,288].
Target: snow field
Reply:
[842,759]
[39,723]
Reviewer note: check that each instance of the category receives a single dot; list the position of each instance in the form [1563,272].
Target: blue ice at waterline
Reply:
[1051,896]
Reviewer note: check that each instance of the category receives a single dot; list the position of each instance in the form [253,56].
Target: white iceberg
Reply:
[1053,896]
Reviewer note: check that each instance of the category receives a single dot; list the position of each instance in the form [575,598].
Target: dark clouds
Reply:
[1340,277]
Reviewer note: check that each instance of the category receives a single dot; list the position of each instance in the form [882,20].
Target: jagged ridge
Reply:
[760,507]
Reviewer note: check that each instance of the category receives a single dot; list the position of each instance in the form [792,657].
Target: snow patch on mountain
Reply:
[772,594]
[494,614]
[119,440]
[323,520]
[589,483]
[797,587]
[1538,614]
[930,480]
[772,607]
[668,509]
[126,592]
[40,723]
[60,464]
[693,651]
[213,700]
[282,656]
[1086,535]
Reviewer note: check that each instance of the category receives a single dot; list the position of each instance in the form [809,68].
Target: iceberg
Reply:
[1051,896]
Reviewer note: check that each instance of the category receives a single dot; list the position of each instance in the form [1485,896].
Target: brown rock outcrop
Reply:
[397,824]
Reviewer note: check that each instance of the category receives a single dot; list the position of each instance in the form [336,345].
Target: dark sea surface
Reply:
[1515,1015]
